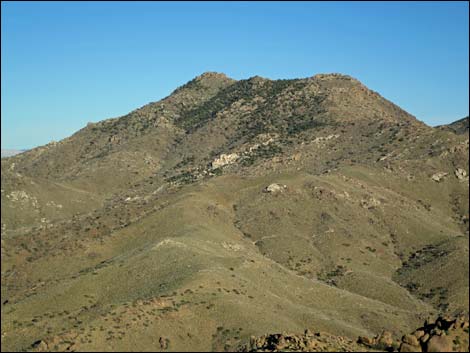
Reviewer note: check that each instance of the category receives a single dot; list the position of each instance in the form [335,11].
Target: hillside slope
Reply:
[231,209]
[459,127]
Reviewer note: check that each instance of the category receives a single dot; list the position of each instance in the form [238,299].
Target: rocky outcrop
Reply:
[438,177]
[275,188]
[22,197]
[370,202]
[383,341]
[306,342]
[225,159]
[114,139]
[443,335]
[164,343]
[325,138]
[446,334]
[461,174]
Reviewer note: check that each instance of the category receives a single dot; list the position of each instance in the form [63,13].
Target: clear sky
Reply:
[65,64]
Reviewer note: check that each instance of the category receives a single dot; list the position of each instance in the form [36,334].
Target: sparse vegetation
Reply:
[128,233]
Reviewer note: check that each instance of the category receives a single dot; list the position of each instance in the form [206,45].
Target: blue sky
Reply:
[65,64]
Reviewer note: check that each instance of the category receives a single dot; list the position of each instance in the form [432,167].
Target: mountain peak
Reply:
[334,76]
[208,80]
[257,78]
[212,75]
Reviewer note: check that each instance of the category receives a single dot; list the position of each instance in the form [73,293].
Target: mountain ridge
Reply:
[232,209]
[154,111]
[460,126]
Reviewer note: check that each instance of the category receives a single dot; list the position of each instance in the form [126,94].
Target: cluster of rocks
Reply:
[370,202]
[225,159]
[264,140]
[383,341]
[325,138]
[460,174]
[280,342]
[61,343]
[22,197]
[53,204]
[443,335]
[306,342]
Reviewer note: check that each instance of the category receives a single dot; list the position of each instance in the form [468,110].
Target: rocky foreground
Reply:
[443,335]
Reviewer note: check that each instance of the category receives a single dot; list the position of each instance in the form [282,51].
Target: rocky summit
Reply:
[235,215]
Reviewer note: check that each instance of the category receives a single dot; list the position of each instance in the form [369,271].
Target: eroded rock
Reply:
[225,159]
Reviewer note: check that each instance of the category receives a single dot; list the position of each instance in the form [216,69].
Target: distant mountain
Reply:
[232,209]
[9,153]
[459,127]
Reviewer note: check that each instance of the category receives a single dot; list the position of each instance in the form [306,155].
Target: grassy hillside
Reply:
[233,209]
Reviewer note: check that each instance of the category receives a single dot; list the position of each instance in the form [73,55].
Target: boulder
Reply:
[311,344]
[163,342]
[411,340]
[405,347]
[281,343]
[260,342]
[439,344]
[40,346]
[438,177]
[274,188]
[368,341]
[419,333]
[444,323]
[461,174]
[385,339]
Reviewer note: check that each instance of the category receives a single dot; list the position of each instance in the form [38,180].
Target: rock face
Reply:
[225,159]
